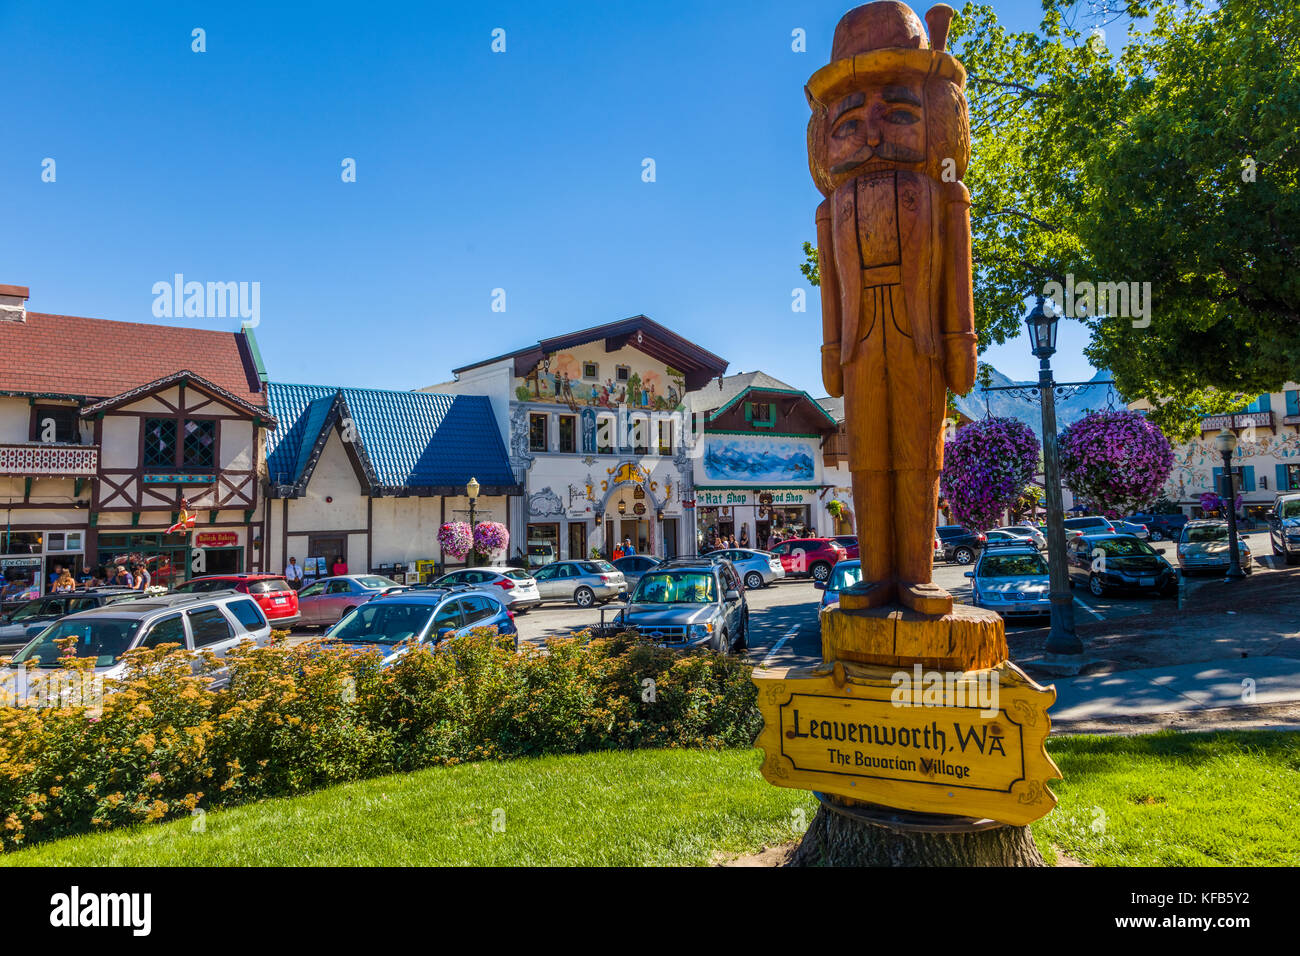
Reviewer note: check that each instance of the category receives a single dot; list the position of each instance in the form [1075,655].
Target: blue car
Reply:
[427,616]
[845,574]
[1012,581]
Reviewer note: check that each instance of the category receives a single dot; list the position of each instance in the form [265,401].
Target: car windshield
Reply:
[269,586]
[679,587]
[1012,565]
[383,623]
[1121,547]
[104,639]
[374,582]
[1210,532]
[517,575]
[597,567]
[29,611]
[844,577]
[1289,509]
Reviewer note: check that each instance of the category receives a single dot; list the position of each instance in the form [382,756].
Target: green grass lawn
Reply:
[1160,799]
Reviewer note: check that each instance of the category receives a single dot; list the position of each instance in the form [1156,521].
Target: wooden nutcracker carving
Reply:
[888,144]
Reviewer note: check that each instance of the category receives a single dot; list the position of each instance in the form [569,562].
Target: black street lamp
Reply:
[471,489]
[1226,443]
[1042,337]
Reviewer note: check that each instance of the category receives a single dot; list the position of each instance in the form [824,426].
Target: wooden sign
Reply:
[216,539]
[963,743]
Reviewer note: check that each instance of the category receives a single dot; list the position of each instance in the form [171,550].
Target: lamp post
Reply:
[1226,443]
[471,489]
[1042,337]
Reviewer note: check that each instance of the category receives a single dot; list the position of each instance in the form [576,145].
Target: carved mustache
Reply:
[885,151]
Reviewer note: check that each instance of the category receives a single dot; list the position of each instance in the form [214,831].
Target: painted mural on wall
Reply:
[1194,463]
[579,382]
[742,458]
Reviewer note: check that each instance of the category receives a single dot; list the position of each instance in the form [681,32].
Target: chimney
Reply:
[13,303]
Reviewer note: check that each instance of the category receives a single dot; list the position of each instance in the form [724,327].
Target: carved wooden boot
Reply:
[867,594]
[925,599]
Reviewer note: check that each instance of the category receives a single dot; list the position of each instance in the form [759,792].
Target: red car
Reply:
[850,542]
[810,557]
[278,601]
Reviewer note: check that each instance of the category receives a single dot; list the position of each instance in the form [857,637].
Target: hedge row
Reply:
[296,718]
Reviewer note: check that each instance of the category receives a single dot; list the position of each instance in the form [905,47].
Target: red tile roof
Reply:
[100,358]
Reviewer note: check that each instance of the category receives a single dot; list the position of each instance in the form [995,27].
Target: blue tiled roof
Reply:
[406,439]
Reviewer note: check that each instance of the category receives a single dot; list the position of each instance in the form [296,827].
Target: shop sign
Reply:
[216,539]
[709,498]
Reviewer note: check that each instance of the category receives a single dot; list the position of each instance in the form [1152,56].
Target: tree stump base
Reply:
[837,839]
[965,639]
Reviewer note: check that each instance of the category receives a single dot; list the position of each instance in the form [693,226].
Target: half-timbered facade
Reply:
[107,430]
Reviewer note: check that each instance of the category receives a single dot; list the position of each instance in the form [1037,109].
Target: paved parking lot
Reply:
[783,617]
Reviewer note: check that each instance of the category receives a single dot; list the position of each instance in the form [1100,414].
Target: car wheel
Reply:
[724,643]
[584,597]
[1156,535]
[963,555]
[1096,586]
[821,571]
[346,612]
[753,580]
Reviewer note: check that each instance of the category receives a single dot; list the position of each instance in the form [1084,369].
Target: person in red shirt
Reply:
[339,566]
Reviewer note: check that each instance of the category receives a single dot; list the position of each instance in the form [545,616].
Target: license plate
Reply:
[1147,582]
[281,600]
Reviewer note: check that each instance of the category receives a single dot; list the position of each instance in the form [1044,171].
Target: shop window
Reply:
[568,433]
[200,444]
[160,442]
[606,427]
[591,371]
[665,437]
[537,432]
[56,423]
[21,542]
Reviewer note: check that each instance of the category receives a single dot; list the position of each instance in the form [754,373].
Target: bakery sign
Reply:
[967,744]
[216,539]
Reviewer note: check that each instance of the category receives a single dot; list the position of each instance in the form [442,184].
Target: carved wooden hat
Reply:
[884,38]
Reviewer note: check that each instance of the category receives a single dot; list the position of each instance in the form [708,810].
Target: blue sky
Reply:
[476,171]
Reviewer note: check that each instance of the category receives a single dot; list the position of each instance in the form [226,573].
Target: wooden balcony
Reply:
[48,460]
[1214,423]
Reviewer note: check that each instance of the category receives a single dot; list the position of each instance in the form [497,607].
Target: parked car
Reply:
[518,589]
[809,557]
[1161,527]
[1284,528]
[635,565]
[1088,524]
[846,574]
[585,583]
[1012,580]
[540,553]
[959,545]
[938,548]
[690,603]
[426,615]
[213,621]
[1139,531]
[756,568]
[1109,562]
[24,622]
[850,542]
[1203,546]
[278,601]
[1001,538]
[1030,531]
[328,600]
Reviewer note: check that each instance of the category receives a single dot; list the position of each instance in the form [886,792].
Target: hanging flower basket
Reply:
[985,469]
[490,537]
[455,539]
[1117,461]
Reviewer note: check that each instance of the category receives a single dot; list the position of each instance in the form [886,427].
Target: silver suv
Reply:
[215,621]
[1284,528]
[692,602]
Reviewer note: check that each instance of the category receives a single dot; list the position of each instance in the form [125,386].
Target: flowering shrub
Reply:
[986,467]
[1117,461]
[455,539]
[490,537]
[164,744]
[1212,503]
